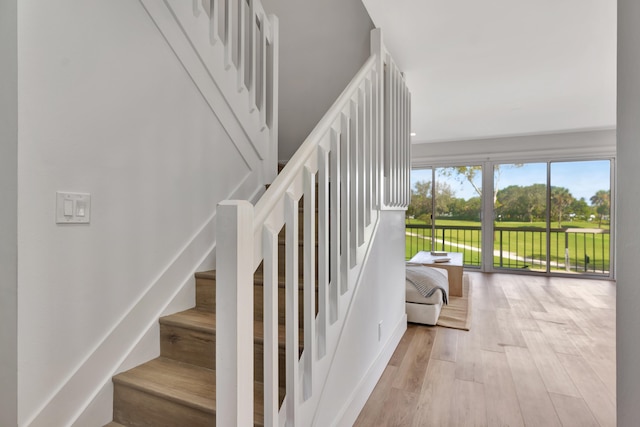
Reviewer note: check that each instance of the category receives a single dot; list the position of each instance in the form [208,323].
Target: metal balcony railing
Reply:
[575,250]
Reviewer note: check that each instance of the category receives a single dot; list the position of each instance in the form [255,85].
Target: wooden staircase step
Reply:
[204,321]
[206,290]
[112,424]
[189,337]
[164,392]
[207,275]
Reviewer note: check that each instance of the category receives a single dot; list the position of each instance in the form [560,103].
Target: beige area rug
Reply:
[457,314]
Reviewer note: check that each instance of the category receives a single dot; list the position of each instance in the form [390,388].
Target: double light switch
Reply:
[73,208]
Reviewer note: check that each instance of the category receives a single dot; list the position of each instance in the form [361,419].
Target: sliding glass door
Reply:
[581,212]
[543,217]
[553,216]
[445,212]
[520,216]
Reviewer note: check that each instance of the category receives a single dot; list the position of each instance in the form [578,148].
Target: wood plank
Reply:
[403,346]
[488,329]
[551,370]
[535,403]
[469,406]
[503,408]
[398,409]
[495,383]
[445,343]
[381,393]
[436,397]
[557,338]
[413,369]
[600,354]
[573,411]
[592,390]
[468,362]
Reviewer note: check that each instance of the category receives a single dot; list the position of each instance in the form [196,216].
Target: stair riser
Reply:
[206,294]
[199,348]
[136,408]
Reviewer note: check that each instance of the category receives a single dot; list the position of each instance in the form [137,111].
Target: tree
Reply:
[420,200]
[561,199]
[421,206]
[602,201]
[580,208]
[521,203]
[473,175]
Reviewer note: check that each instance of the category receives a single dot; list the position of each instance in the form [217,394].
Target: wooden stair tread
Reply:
[187,384]
[211,274]
[114,424]
[205,321]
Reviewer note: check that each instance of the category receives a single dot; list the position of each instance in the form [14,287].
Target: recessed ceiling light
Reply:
[413,134]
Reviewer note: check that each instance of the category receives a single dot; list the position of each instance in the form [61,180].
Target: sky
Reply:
[583,179]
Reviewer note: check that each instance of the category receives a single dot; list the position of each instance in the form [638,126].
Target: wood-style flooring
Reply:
[540,352]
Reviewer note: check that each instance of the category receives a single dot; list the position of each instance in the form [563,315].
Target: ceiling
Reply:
[492,68]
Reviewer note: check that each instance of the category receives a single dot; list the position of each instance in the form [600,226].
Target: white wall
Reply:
[361,357]
[106,108]
[8,212]
[323,44]
[571,145]
[628,245]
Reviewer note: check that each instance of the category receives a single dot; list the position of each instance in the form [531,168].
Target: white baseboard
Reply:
[350,411]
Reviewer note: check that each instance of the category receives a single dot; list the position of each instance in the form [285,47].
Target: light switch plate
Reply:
[80,204]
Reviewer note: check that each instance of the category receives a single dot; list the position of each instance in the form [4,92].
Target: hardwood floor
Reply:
[540,352]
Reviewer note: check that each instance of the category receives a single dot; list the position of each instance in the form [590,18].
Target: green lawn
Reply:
[517,240]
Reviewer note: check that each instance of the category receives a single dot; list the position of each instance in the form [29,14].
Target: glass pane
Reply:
[580,216]
[418,223]
[520,209]
[458,205]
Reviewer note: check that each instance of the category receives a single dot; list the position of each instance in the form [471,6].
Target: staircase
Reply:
[259,345]
[178,388]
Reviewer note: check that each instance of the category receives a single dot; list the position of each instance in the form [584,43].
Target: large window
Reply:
[445,212]
[545,217]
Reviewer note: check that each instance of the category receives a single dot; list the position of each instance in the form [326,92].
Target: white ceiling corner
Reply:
[491,68]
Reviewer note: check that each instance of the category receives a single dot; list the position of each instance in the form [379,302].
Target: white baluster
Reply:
[336,222]
[361,159]
[323,251]
[263,73]
[214,37]
[271,348]
[309,251]
[228,34]
[354,175]
[345,203]
[252,55]
[242,41]
[292,326]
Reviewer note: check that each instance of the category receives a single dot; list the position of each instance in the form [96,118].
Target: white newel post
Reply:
[234,321]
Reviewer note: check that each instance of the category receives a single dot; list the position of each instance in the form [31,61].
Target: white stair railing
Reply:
[359,169]
[229,48]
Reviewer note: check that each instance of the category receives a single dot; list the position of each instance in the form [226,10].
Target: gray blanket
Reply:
[427,280]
